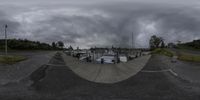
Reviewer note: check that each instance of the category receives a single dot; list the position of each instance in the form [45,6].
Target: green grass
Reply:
[181,56]
[11,59]
[189,57]
[162,52]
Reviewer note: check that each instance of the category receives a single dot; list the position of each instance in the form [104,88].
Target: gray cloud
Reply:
[13,25]
[94,23]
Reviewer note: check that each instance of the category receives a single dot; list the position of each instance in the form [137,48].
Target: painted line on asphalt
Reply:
[171,71]
[54,65]
[157,71]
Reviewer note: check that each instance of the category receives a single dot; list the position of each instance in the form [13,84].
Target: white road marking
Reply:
[54,65]
[157,71]
[175,74]
[154,71]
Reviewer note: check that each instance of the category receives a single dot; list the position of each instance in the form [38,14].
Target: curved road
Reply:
[153,82]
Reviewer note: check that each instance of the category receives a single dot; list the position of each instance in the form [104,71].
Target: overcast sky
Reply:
[89,23]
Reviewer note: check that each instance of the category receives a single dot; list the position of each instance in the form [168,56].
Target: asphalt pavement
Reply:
[18,71]
[186,70]
[58,82]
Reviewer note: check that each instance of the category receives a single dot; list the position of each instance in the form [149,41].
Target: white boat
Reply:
[83,57]
[123,58]
[107,59]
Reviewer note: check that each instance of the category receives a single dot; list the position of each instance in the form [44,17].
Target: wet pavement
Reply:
[186,70]
[20,70]
[189,71]
[58,82]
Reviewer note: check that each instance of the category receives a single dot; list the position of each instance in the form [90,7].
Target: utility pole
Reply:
[132,40]
[6,47]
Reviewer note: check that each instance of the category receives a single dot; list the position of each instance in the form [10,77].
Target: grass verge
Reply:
[11,59]
[189,57]
[162,52]
[181,56]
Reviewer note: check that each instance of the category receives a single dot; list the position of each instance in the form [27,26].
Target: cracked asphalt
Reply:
[18,71]
[58,82]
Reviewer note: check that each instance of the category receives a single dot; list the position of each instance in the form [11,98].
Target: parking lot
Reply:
[57,81]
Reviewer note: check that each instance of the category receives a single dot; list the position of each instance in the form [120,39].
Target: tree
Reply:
[194,44]
[25,44]
[70,48]
[162,42]
[178,42]
[53,45]
[60,44]
[77,48]
[155,42]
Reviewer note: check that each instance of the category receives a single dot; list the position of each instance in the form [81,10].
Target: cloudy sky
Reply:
[88,23]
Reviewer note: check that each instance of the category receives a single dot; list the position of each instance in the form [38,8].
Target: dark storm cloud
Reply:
[171,22]
[106,24]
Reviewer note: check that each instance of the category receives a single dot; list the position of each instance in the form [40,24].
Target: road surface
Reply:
[18,71]
[189,71]
[57,82]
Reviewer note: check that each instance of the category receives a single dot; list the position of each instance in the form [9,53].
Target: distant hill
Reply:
[24,44]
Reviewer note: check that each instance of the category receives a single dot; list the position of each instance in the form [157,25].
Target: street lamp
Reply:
[6,48]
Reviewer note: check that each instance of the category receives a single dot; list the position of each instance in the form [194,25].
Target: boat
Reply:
[107,59]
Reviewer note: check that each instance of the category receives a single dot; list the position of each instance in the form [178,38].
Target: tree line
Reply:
[24,44]
[195,44]
[158,42]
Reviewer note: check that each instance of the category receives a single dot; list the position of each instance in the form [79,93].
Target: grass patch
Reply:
[181,55]
[162,52]
[11,59]
[189,57]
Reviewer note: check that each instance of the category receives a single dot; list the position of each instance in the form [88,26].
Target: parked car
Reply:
[107,59]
